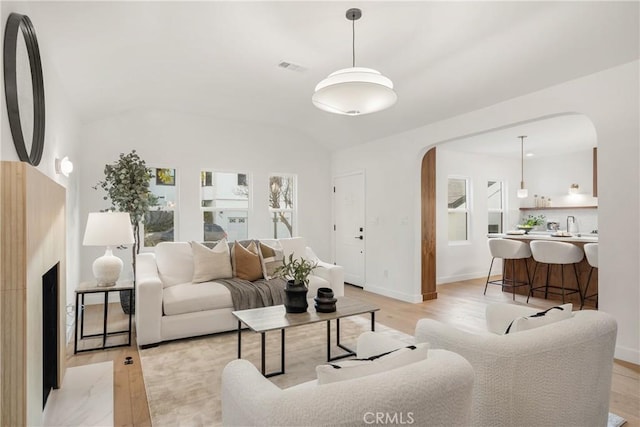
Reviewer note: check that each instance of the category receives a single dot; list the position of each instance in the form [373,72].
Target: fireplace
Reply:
[50,321]
[32,276]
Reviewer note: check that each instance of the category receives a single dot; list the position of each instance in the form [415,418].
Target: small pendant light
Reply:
[523,193]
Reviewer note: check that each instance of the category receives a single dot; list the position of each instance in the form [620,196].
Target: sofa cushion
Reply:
[552,315]
[211,264]
[350,369]
[271,257]
[246,262]
[189,298]
[316,282]
[175,262]
[295,246]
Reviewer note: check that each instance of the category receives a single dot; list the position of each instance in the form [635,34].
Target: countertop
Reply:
[578,238]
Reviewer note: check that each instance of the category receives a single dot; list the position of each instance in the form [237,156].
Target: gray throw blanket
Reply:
[261,293]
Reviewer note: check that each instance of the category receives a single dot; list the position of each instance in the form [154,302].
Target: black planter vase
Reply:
[295,300]
[325,302]
[124,302]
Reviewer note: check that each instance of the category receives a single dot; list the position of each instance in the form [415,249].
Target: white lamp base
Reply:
[107,269]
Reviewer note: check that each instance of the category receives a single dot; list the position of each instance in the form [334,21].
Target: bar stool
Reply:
[556,253]
[591,252]
[508,249]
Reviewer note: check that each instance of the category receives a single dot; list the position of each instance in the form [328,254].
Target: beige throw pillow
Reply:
[211,264]
[271,258]
[350,369]
[246,262]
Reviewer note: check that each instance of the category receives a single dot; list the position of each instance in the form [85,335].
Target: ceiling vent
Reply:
[292,67]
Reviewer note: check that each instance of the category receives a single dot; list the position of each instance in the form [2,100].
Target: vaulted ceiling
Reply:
[221,58]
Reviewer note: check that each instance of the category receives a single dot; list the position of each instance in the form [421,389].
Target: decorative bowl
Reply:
[526,228]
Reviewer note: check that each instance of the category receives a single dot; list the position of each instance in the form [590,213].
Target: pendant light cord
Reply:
[353,41]
[522,161]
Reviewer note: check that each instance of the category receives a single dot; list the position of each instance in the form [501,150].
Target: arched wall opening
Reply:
[562,147]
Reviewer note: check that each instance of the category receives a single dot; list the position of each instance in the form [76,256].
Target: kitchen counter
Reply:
[555,274]
[547,236]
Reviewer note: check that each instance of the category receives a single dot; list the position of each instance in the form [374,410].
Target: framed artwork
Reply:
[165,176]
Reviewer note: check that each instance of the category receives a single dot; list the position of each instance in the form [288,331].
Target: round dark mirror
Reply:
[24,88]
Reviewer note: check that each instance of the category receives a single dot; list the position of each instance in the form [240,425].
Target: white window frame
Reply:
[467,210]
[175,209]
[502,204]
[293,211]
[214,209]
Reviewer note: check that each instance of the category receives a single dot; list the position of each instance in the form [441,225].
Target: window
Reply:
[160,221]
[495,207]
[224,201]
[282,205]
[458,209]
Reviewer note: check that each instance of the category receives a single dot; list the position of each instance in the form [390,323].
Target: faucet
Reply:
[573,221]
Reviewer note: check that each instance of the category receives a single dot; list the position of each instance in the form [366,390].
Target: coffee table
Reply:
[273,318]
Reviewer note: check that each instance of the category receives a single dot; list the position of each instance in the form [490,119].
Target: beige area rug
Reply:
[183,378]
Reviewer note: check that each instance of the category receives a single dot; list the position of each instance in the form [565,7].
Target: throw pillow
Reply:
[211,264]
[271,258]
[350,369]
[552,315]
[246,262]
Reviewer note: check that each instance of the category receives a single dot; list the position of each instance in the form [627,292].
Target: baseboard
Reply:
[631,355]
[459,277]
[394,294]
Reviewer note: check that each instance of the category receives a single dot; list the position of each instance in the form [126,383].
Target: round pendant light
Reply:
[356,90]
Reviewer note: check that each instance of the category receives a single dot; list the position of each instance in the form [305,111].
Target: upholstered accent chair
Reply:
[558,374]
[435,391]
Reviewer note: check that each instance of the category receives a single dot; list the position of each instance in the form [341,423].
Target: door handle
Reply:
[359,237]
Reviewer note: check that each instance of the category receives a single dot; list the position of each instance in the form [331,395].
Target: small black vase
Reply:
[295,300]
[325,302]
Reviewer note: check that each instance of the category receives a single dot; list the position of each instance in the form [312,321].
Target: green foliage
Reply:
[297,270]
[126,183]
[532,221]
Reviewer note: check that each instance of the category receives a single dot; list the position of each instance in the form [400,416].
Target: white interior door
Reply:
[350,226]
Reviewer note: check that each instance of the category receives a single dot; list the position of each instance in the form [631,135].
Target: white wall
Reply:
[192,143]
[609,99]
[551,176]
[466,260]
[61,139]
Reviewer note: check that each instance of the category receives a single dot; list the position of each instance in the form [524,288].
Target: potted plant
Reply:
[126,183]
[530,222]
[297,272]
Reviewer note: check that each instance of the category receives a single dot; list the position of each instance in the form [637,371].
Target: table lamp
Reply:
[108,229]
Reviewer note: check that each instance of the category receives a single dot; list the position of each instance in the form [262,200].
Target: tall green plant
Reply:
[126,183]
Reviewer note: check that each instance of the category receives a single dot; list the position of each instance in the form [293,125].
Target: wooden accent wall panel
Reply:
[32,240]
[428,219]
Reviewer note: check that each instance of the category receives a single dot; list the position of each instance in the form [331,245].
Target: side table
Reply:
[92,288]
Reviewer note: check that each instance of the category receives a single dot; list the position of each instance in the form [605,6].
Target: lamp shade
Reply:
[108,229]
[354,91]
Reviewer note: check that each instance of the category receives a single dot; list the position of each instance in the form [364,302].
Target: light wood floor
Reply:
[461,304]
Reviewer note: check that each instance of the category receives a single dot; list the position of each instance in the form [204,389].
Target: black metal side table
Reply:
[92,288]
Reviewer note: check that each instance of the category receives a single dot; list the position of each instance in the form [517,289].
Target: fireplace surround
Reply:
[32,240]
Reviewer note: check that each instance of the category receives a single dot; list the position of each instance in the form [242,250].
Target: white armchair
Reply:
[558,374]
[433,392]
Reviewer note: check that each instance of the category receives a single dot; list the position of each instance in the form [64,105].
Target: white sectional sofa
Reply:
[169,306]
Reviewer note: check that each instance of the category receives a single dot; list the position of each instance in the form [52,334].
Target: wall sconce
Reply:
[574,189]
[64,166]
